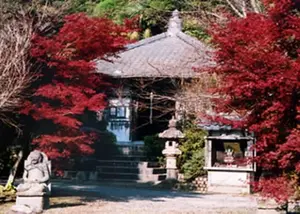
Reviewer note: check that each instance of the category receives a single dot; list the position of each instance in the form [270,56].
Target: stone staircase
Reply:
[130,168]
[122,168]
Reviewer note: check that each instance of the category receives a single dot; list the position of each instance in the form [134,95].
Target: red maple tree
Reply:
[258,59]
[68,86]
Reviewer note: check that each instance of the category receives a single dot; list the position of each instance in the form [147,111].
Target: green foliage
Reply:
[8,192]
[9,187]
[147,33]
[153,146]
[193,167]
[157,11]
[134,35]
[191,162]
[106,146]
[82,6]
[154,14]
[118,10]
[161,161]
[194,29]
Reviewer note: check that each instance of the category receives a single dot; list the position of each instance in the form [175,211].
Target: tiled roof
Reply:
[210,125]
[170,54]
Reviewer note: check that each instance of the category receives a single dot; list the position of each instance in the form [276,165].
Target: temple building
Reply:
[146,77]
[151,66]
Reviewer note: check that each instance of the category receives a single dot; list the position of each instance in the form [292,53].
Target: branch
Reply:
[244,8]
[256,6]
[15,74]
[235,9]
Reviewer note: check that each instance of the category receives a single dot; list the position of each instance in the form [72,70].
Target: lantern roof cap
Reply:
[172,132]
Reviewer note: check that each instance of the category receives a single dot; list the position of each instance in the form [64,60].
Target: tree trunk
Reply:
[13,171]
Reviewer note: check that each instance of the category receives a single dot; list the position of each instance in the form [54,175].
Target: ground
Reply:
[115,199]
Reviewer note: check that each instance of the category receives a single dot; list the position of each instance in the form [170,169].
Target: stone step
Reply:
[130,157]
[112,169]
[133,170]
[120,163]
[132,176]
[131,149]
[126,163]
[141,177]
[125,176]
[136,170]
[153,171]
[112,180]
[152,178]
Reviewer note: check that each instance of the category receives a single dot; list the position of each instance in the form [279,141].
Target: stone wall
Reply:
[229,181]
[200,184]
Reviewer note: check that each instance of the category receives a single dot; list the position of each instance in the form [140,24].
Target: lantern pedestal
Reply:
[171,151]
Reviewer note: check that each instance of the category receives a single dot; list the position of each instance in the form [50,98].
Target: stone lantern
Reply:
[171,148]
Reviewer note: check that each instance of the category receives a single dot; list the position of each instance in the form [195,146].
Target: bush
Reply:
[7,193]
[193,167]
[106,146]
[153,146]
[192,160]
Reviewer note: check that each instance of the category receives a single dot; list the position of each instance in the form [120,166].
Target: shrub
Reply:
[192,160]
[106,146]
[153,146]
[193,167]
[8,192]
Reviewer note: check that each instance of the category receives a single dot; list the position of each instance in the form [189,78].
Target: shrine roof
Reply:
[169,54]
[207,123]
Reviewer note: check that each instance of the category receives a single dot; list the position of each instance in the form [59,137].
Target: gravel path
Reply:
[110,199]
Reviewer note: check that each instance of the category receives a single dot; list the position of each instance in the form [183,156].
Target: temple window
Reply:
[117,112]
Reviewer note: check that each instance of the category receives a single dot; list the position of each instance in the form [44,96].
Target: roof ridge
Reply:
[146,41]
[192,40]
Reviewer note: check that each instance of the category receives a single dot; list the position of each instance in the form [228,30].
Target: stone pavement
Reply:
[111,199]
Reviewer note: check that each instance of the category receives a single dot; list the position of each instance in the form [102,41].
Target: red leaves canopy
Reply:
[69,87]
[258,58]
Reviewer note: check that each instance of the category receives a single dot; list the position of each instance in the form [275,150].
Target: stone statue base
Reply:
[35,202]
